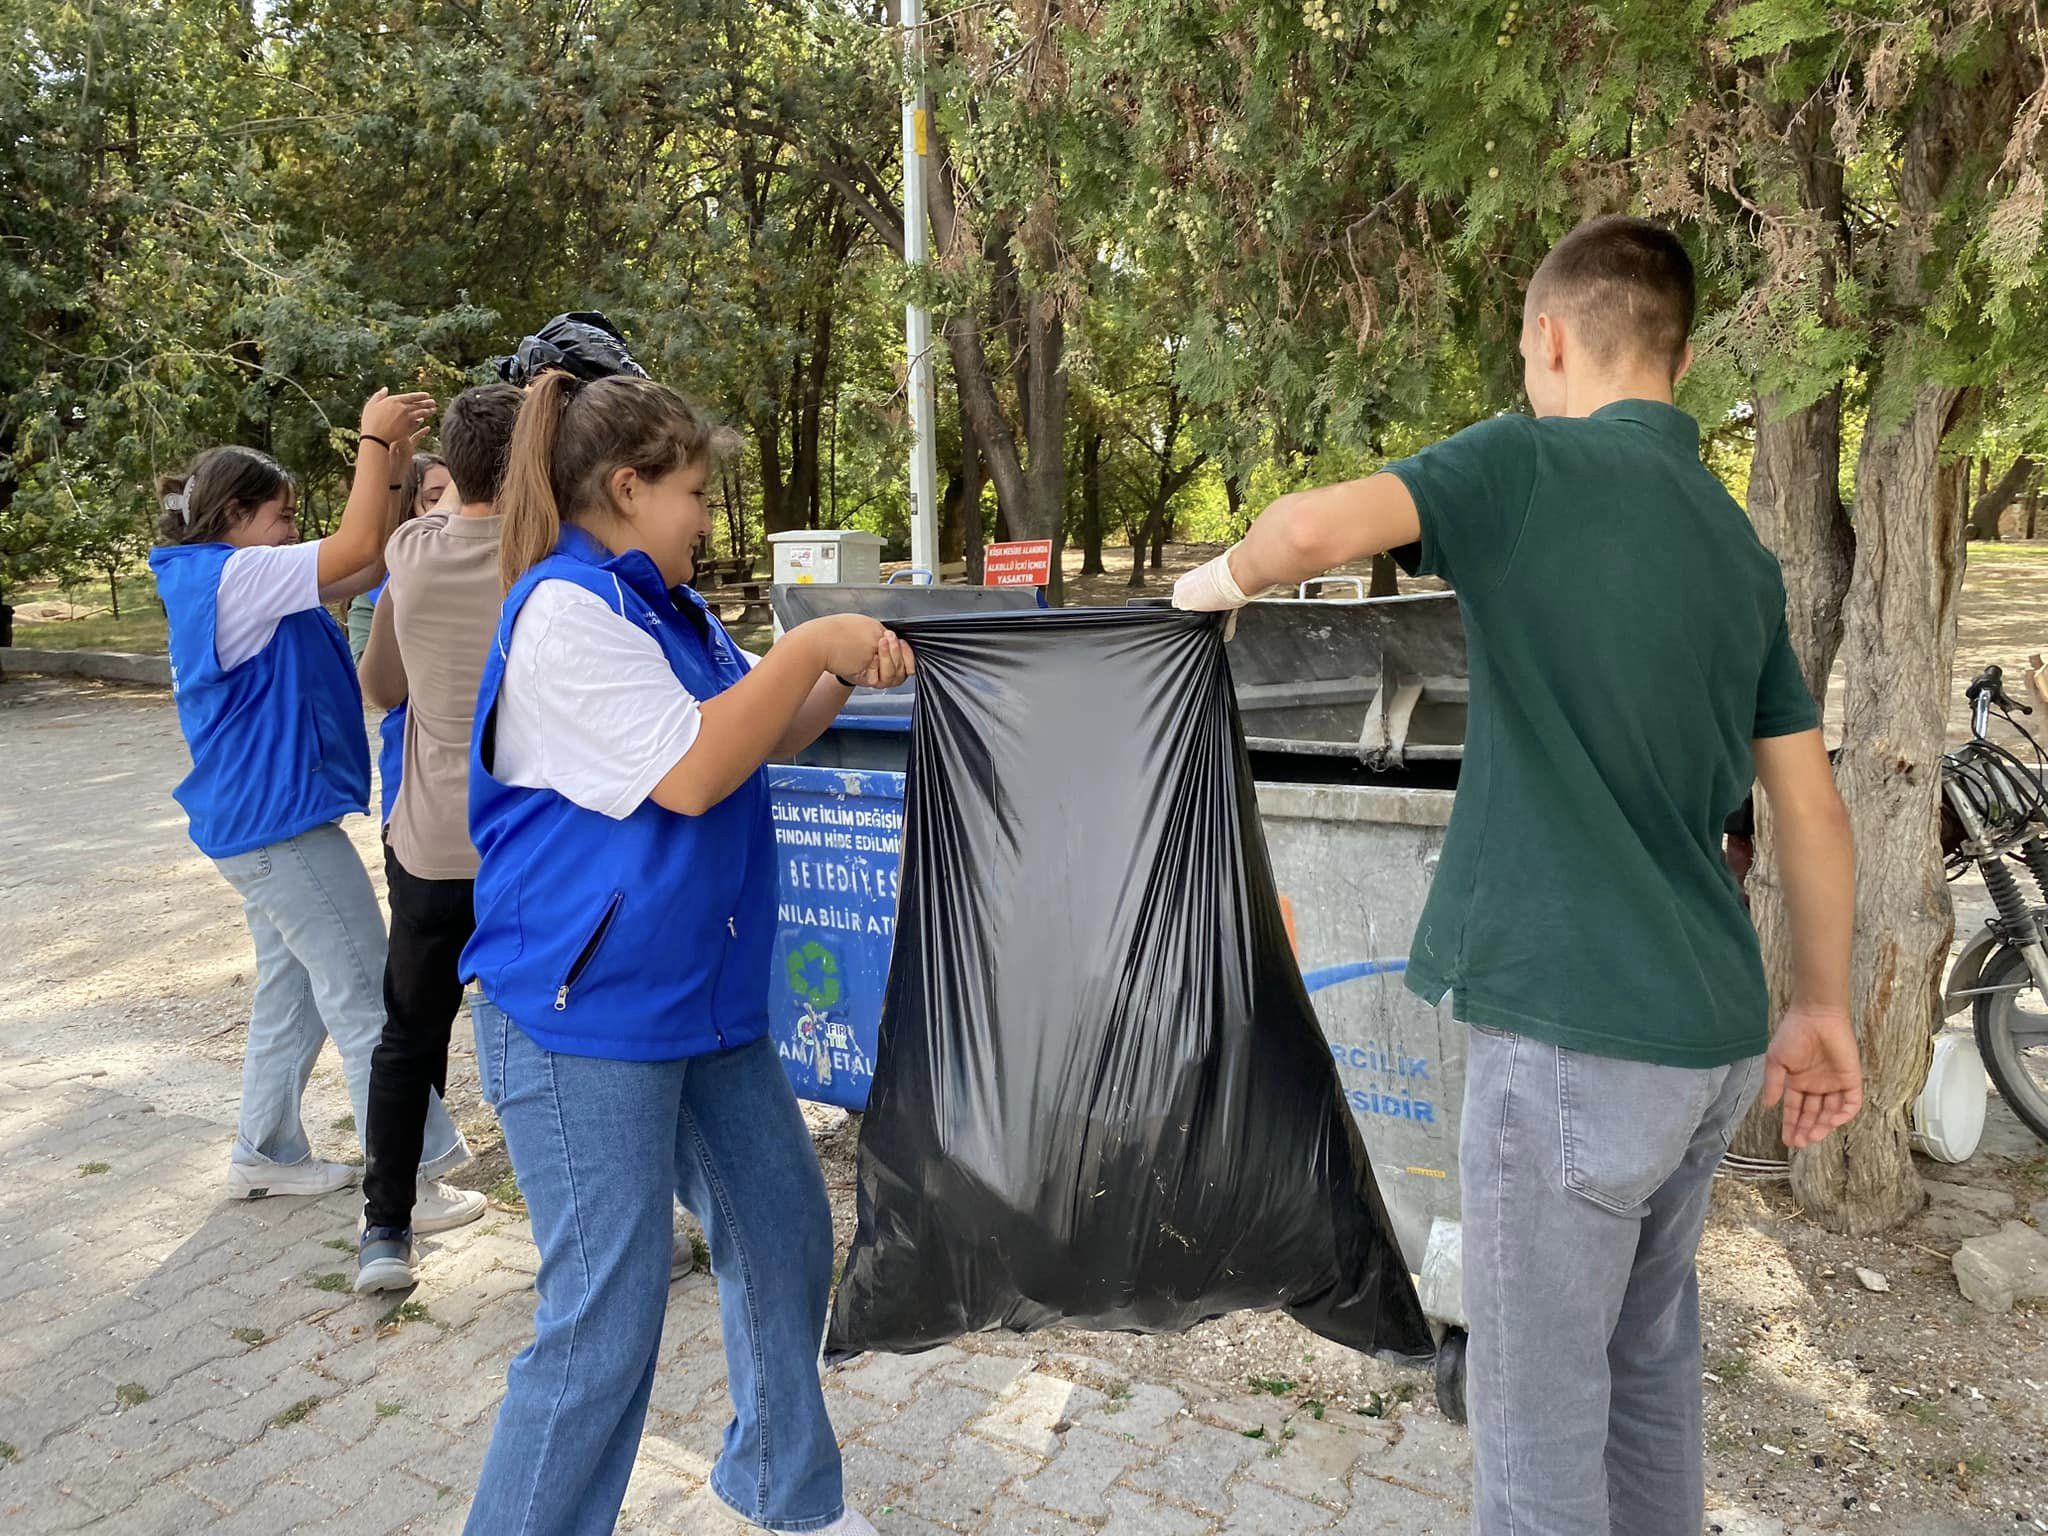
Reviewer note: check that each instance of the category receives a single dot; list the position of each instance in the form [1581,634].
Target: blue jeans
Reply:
[600,1147]
[319,975]
[1586,1182]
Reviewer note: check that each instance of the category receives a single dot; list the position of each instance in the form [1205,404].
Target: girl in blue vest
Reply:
[625,907]
[268,701]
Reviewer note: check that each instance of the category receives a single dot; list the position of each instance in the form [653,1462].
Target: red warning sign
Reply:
[1026,563]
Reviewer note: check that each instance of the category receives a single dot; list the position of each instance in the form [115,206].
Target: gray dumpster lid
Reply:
[886,707]
[893,600]
[1381,680]
[1378,682]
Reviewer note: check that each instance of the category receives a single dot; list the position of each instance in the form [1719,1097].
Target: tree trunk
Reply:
[1091,505]
[779,513]
[1992,500]
[735,491]
[2033,512]
[1795,500]
[1045,508]
[970,464]
[1899,641]
[114,590]
[1030,477]
[806,423]
[1386,577]
[953,517]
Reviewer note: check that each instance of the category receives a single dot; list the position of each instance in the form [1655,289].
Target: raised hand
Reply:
[397,419]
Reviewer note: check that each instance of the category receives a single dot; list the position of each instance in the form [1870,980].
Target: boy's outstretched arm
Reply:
[1304,534]
[1812,1064]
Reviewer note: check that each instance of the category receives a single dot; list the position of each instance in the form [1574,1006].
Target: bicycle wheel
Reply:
[2012,1037]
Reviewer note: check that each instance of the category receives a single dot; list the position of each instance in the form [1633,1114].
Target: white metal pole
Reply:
[924,470]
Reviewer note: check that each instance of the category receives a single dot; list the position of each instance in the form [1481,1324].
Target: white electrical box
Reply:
[826,557]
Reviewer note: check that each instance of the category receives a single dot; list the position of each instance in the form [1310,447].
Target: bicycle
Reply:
[1995,816]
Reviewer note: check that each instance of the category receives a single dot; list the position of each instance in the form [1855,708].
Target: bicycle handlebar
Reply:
[1989,686]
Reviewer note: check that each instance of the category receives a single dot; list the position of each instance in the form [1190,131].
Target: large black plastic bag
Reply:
[582,342]
[1102,1098]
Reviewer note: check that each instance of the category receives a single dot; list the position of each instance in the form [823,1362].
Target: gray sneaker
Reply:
[384,1262]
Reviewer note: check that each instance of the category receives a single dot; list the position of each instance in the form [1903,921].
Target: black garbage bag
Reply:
[582,342]
[1102,1098]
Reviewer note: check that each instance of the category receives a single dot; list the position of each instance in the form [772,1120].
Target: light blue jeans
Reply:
[319,975]
[600,1147]
[1586,1182]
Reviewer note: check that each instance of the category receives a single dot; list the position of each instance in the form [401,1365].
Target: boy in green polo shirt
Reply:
[1631,675]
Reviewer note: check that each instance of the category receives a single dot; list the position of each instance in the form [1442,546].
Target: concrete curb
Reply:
[106,666]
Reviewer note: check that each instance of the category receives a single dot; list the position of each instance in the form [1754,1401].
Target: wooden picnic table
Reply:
[750,597]
[722,570]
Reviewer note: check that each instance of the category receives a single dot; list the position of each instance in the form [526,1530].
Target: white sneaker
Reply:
[436,1207]
[682,1258]
[258,1181]
[852,1523]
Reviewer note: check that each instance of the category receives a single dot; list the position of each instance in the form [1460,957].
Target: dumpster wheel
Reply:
[1450,1375]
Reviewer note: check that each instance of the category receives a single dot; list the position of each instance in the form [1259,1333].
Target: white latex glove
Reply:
[1209,588]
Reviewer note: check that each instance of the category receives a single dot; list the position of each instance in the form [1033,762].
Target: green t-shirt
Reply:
[1627,641]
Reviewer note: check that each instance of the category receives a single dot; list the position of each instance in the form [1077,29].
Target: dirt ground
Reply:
[1829,1406]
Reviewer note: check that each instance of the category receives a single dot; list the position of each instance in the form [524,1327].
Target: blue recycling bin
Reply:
[838,849]
[839,846]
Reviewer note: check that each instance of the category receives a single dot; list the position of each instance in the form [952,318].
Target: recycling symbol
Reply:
[814,975]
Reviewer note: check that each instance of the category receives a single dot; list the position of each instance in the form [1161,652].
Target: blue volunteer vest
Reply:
[645,939]
[390,745]
[390,761]
[277,743]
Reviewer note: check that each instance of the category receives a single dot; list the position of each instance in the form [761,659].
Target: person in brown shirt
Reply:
[428,641]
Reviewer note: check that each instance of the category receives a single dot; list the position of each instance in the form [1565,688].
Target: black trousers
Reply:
[430,922]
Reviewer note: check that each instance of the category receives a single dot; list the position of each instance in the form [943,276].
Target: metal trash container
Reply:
[1353,711]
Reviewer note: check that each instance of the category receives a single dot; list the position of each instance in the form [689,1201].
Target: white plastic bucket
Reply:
[1948,1117]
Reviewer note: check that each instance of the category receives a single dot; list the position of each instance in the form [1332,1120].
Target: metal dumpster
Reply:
[1378,681]
[1354,714]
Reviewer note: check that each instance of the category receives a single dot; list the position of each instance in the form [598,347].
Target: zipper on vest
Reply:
[588,952]
[732,929]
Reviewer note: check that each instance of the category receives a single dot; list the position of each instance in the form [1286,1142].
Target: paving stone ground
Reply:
[172,1362]
[177,1363]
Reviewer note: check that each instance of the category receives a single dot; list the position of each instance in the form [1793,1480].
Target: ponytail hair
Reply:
[571,436]
[533,519]
[223,487]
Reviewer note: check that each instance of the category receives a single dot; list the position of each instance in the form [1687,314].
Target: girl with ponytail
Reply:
[625,908]
[268,702]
